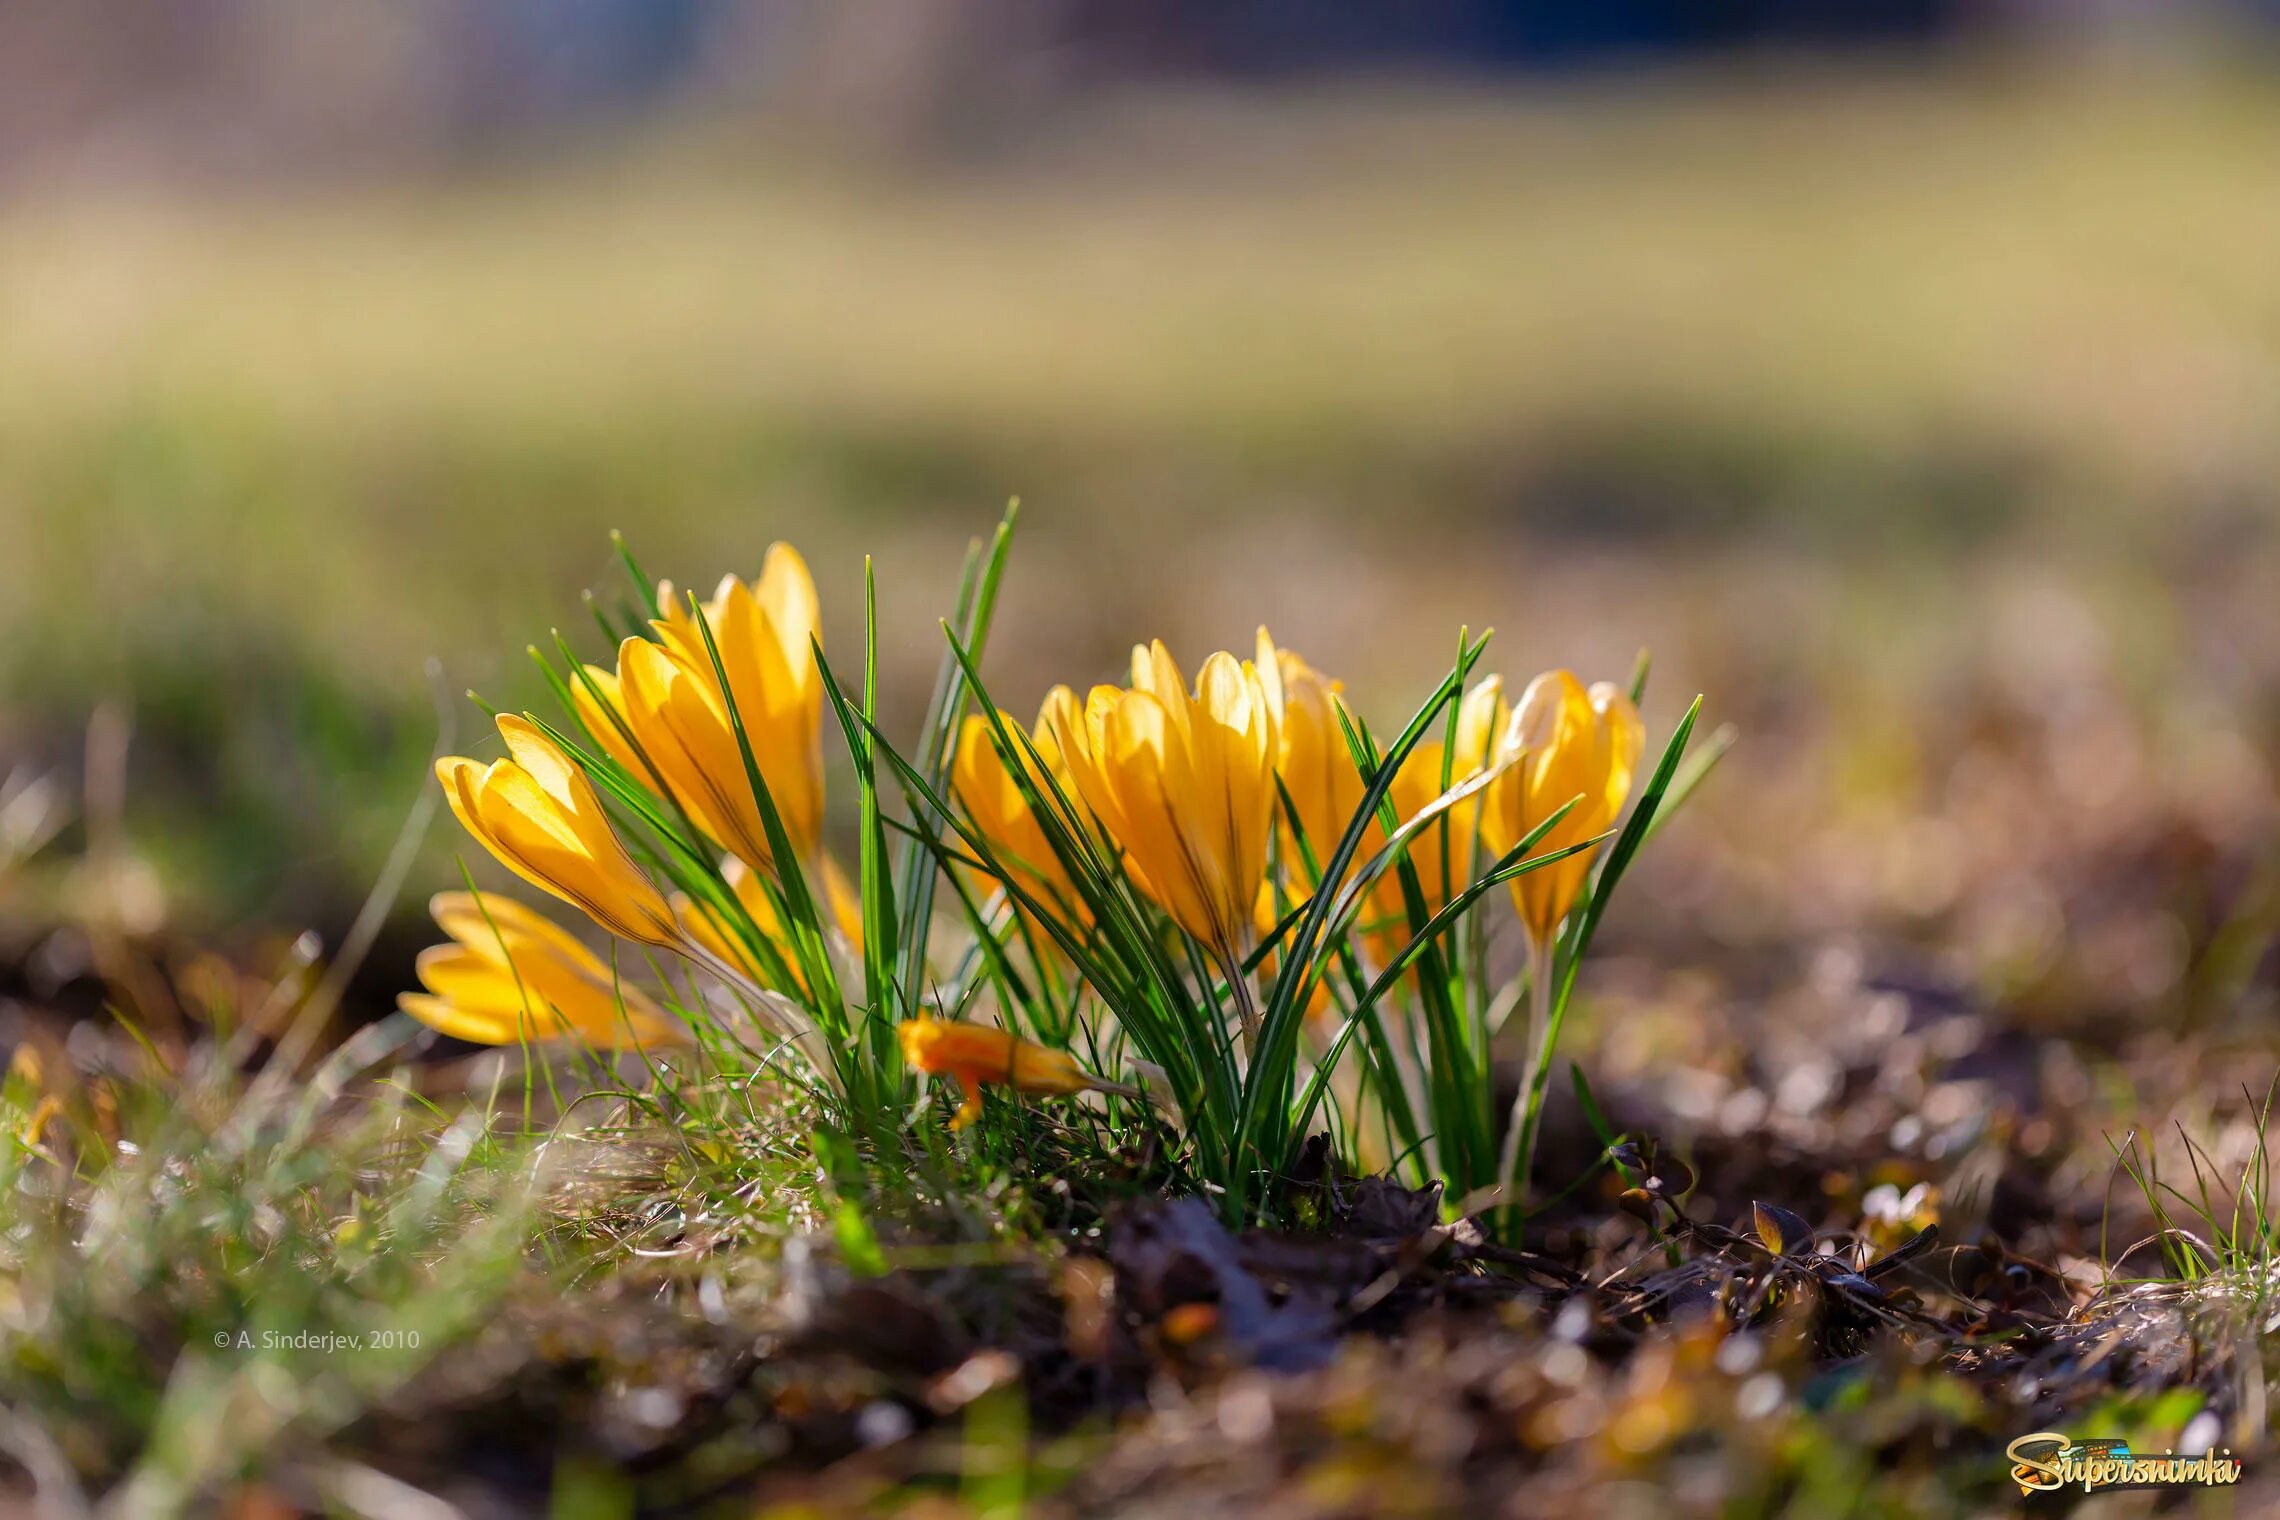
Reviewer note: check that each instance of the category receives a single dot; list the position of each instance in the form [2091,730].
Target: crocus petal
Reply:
[604,717]
[786,593]
[683,727]
[1312,758]
[1152,779]
[481,921]
[459,1023]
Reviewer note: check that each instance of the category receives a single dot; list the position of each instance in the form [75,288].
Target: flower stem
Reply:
[1246,1006]
[1520,1128]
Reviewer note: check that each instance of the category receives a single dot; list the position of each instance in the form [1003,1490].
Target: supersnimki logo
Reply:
[2047,1461]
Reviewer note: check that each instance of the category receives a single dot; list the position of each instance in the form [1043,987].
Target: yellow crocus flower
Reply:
[1383,923]
[1563,741]
[671,697]
[1442,872]
[1318,772]
[511,974]
[1312,756]
[537,813]
[681,724]
[1317,769]
[1183,784]
[992,797]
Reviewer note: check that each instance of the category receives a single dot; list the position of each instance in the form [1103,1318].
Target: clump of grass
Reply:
[2221,1229]
[198,1266]
[2218,1244]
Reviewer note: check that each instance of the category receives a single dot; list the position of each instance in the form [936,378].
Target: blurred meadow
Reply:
[1704,359]
[1914,396]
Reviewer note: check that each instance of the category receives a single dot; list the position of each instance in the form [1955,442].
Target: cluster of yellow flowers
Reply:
[664,715]
[1183,783]
[1180,783]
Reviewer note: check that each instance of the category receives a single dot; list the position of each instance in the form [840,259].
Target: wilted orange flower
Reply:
[1184,785]
[1564,742]
[977,1053]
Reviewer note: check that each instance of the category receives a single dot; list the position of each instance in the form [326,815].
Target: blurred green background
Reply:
[1891,381]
